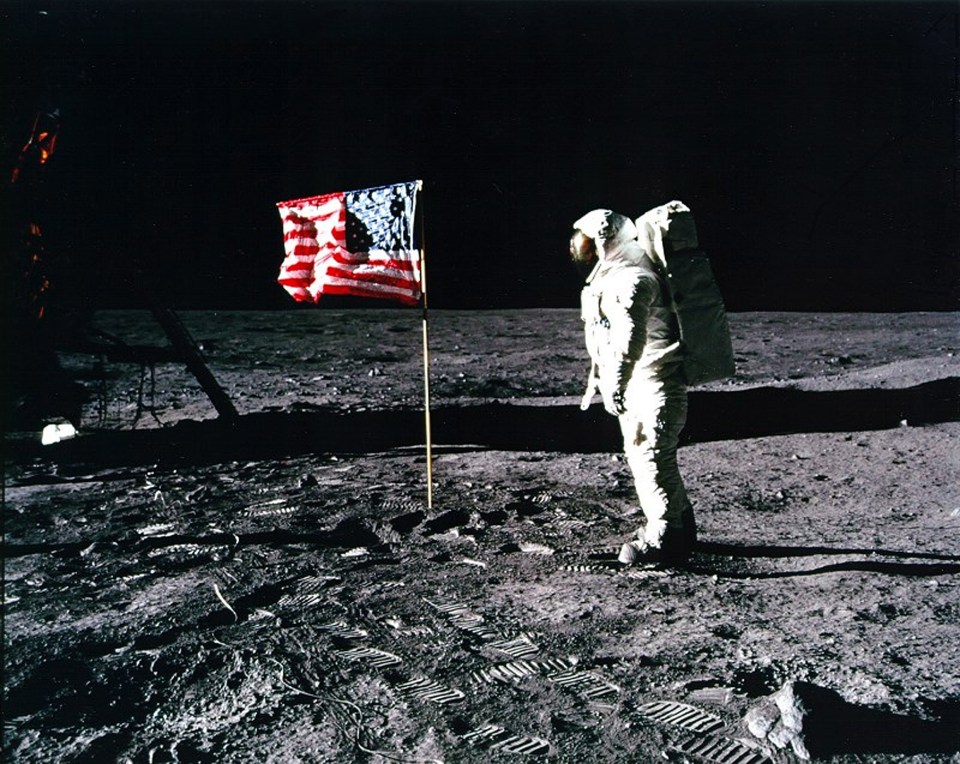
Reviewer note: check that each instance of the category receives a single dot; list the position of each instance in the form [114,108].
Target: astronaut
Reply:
[633,338]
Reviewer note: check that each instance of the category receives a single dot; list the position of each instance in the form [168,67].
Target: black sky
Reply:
[815,142]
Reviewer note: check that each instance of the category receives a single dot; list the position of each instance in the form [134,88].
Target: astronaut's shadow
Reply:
[927,564]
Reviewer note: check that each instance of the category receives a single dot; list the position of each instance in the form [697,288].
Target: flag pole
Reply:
[426,353]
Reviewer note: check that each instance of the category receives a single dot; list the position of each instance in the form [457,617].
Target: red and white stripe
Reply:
[317,261]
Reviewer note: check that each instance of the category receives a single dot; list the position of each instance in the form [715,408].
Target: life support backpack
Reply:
[669,234]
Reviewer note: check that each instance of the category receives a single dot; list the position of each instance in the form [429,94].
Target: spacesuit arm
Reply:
[627,308]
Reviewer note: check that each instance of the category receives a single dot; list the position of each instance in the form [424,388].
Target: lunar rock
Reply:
[778,721]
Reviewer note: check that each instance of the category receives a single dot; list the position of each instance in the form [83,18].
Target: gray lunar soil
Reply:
[181,588]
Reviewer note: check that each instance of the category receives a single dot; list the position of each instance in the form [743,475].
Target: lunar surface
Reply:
[281,586]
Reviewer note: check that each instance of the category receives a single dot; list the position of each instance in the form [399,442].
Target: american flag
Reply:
[352,242]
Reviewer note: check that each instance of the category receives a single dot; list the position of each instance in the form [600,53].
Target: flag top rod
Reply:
[426,352]
[315,197]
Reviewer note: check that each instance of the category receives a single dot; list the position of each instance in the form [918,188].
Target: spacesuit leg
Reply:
[656,411]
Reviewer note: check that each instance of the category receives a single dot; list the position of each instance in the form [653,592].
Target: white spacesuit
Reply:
[633,339]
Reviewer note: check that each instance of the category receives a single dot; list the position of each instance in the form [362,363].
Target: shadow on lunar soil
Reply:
[947,565]
[751,413]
